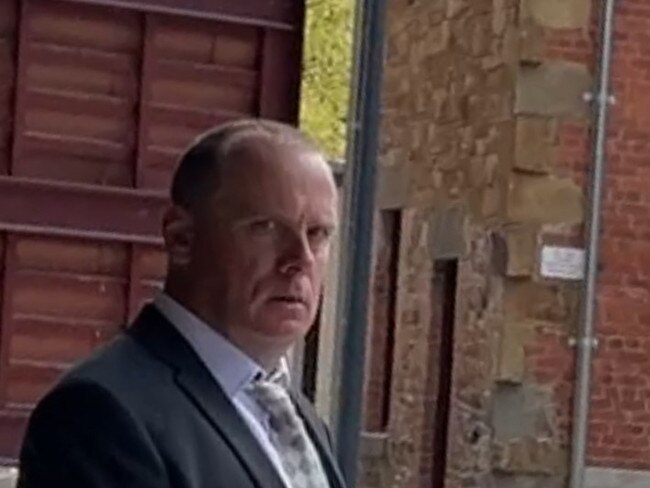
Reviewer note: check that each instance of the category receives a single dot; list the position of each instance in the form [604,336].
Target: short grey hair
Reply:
[199,169]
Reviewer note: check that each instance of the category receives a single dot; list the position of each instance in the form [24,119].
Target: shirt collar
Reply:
[227,364]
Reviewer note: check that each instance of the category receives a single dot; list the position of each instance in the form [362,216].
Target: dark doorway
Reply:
[438,398]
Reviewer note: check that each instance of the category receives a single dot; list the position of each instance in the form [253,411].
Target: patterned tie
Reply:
[299,457]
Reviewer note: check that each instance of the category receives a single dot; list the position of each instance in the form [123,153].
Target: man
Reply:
[194,395]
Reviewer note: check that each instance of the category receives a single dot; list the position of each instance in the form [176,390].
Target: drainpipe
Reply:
[357,229]
[587,340]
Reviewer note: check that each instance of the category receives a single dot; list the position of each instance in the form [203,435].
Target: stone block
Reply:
[511,361]
[532,44]
[523,481]
[529,455]
[544,200]
[499,16]
[374,445]
[392,187]
[521,250]
[606,477]
[559,14]
[546,302]
[456,7]
[447,232]
[554,89]
[534,146]
[521,411]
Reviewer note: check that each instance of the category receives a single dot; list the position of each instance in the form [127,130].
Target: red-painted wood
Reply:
[98,98]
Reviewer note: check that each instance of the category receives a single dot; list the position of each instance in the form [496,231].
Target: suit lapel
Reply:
[316,429]
[160,337]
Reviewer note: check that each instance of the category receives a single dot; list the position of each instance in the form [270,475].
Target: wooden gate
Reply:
[97,99]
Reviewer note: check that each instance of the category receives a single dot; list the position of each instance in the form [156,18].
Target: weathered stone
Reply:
[544,200]
[392,187]
[447,232]
[521,250]
[374,445]
[521,411]
[492,201]
[560,14]
[456,7]
[529,456]
[523,481]
[511,361]
[554,89]
[499,16]
[532,43]
[546,302]
[534,148]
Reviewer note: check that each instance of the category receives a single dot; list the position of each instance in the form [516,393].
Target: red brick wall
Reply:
[620,417]
[619,428]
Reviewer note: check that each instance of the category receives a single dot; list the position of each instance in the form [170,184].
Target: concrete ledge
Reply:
[616,478]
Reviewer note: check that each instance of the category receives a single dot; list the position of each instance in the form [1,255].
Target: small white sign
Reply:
[564,263]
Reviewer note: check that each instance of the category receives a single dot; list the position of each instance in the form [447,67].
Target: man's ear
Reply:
[178,233]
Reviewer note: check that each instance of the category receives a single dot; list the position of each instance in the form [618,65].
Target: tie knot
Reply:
[270,389]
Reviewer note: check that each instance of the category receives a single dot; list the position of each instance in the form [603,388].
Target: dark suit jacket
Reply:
[146,413]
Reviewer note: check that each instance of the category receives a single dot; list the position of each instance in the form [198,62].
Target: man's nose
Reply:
[299,254]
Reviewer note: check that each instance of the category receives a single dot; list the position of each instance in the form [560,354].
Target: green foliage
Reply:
[326,76]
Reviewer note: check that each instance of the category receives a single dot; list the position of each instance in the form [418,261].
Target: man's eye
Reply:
[319,234]
[263,226]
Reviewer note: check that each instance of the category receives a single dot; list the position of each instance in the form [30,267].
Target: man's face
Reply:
[261,249]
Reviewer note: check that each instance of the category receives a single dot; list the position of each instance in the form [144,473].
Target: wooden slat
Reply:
[144,105]
[83,147]
[207,42]
[20,82]
[66,209]
[81,79]
[72,256]
[94,59]
[69,296]
[206,73]
[194,117]
[74,168]
[110,30]
[12,426]
[55,340]
[6,312]
[153,263]
[81,124]
[7,18]
[28,381]
[135,277]
[279,14]
[78,103]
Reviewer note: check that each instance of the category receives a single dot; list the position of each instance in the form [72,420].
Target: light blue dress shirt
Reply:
[229,366]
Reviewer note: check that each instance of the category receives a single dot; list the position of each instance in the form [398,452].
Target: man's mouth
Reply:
[289,300]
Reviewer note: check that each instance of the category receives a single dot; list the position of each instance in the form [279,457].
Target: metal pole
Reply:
[587,340]
[357,233]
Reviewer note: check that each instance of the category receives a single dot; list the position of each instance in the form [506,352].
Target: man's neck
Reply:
[265,353]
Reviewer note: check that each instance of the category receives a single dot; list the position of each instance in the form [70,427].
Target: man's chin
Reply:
[284,331]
